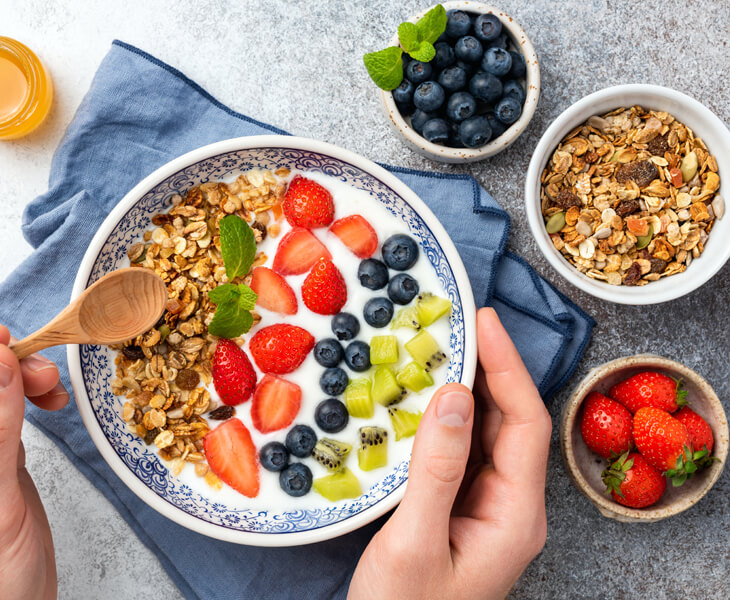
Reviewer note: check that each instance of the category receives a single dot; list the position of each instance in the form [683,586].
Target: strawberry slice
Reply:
[308,204]
[280,348]
[234,377]
[298,250]
[274,293]
[324,291]
[275,404]
[357,234]
[231,455]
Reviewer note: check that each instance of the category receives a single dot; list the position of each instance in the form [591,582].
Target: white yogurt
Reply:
[348,201]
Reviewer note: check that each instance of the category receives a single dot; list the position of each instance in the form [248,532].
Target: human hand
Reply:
[473,515]
[27,563]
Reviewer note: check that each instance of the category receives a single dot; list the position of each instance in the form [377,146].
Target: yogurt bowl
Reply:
[272,518]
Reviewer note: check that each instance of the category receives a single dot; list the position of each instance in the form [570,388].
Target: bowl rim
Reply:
[103,445]
[532,80]
[567,120]
[569,417]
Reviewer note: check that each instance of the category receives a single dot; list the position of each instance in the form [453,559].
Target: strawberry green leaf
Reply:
[408,36]
[431,25]
[425,52]
[238,246]
[223,293]
[690,468]
[679,480]
[385,67]
[230,320]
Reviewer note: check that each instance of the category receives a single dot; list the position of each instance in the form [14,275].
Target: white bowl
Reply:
[418,143]
[91,367]
[689,112]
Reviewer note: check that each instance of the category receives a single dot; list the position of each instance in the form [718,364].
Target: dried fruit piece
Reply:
[187,379]
[133,352]
[627,207]
[222,413]
[659,145]
[642,173]
[676,175]
[633,274]
[565,199]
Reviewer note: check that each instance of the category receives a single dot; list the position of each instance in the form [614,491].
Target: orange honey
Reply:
[26,90]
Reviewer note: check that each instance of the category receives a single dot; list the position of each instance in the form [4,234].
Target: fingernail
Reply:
[454,408]
[37,363]
[6,375]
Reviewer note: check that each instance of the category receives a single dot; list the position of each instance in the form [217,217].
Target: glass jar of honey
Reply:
[26,90]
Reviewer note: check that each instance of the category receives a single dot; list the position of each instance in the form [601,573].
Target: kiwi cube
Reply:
[404,423]
[406,317]
[414,377]
[383,349]
[358,400]
[338,486]
[373,451]
[431,308]
[386,390]
[331,454]
[425,350]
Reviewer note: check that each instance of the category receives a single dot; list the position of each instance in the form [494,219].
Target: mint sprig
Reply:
[385,67]
[234,302]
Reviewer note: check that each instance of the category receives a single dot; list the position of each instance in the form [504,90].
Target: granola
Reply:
[162,372]
[631,196]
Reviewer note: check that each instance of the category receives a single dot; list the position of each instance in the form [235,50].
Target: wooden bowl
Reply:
[585,467]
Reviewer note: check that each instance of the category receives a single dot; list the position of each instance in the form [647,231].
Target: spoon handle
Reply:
[63,329]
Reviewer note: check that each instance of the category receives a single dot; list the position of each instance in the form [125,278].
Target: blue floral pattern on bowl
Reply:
[97,366]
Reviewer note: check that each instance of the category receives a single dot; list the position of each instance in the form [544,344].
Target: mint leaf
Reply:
[247,297]
[230,320]
[238,246]
[431,25]
[425,52]
[385,68]
[408,36]
[223,293]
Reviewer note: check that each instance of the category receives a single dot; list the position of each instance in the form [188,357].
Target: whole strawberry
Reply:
[324,291]
[700,433]
[633,482]
[280,348]
[605,425]
[234,377]
[307,204]
[649,389]
[665,443]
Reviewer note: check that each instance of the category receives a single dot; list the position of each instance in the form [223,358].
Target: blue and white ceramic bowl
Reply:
[92,367]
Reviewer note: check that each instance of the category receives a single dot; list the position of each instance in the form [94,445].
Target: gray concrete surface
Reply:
[297,64]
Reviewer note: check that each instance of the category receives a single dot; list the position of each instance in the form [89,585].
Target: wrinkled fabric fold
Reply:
[139,114]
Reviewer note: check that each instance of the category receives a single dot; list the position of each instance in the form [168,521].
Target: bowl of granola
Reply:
[624,194]
[314,305]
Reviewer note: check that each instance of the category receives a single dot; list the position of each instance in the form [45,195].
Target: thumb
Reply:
[12,408]
[438,462]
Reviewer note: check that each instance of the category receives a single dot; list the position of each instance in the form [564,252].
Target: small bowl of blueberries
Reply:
[469,86]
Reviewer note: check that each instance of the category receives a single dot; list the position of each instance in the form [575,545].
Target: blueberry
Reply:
[357,356]
[501,42]
[475,131]
[403,94]
[519,67]
[333,381]
[378,312]
[418,71]
[402,288]
[452,79]
[514,88]
[331,415]
[487,27]
[419,119]
[429,96]
[345,326]
[274,456]
[458,23]
[496,61]
[300,440]
[454,140]
[400,252]
[468,49]
[405,109]
[485,87]
[328,352]
[498,128]
[508,110]
[444,56]
[444,37]
[460,106]
[372,273]
[466,66]
[436,131]
[296,479]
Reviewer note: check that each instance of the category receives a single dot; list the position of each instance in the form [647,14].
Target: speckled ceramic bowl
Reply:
[531,82]
[585,467]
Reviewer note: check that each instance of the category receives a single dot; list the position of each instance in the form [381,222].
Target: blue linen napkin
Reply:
[140,113]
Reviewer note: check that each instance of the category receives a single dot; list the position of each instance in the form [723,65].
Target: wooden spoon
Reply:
[120,306]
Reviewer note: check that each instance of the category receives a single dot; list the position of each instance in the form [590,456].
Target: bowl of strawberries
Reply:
[644,438]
